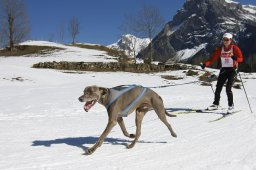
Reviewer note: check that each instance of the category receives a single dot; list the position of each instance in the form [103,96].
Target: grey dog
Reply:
[117,100]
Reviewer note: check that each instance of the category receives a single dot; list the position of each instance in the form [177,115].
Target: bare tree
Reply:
[74,28]
[129,26]
[51,37]
[61,32]
[14,22]
[2,41]
[148,22]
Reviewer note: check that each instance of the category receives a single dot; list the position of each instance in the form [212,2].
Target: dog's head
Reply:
[91,95]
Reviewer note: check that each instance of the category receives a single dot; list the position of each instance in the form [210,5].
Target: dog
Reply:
[121,101]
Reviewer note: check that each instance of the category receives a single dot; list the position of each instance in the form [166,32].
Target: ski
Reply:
[219,109]
[184,112]
[208,111]
[187,111]
[224,115]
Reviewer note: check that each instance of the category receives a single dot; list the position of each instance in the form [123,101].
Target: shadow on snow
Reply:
[81,141]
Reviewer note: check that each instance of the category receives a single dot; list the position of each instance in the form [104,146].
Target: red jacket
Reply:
[216,55]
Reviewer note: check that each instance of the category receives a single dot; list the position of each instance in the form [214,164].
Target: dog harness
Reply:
[117,92]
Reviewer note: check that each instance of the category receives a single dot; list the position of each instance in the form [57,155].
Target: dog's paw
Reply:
[132,135]
[130,146]
[89,151]
[174,135]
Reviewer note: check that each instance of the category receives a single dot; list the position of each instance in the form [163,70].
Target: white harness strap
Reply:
[117,92]
[125,111]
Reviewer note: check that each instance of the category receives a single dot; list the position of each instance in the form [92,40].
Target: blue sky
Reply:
[99,19]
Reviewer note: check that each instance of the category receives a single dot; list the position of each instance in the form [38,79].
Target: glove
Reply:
[234,57]
[202,65]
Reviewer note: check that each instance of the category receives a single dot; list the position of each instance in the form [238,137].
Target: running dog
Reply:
[120,101]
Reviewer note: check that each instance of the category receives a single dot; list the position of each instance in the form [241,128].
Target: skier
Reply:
[230,55]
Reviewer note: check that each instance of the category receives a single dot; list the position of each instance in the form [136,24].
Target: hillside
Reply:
[60,52]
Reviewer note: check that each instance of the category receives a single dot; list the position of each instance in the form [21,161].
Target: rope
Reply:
[163,86]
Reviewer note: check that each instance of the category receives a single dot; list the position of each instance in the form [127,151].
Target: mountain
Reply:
[130,44]
[197,29]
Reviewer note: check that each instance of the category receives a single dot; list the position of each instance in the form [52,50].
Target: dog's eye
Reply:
[88,93]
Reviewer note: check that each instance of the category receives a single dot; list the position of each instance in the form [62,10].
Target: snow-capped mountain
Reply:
[197,29]
[131,44]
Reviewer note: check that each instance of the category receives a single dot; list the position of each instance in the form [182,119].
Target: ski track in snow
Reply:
[43,125]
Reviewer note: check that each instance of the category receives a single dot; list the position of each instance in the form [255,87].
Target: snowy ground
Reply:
[43,126]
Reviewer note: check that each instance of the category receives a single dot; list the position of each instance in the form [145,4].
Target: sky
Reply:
[100,20]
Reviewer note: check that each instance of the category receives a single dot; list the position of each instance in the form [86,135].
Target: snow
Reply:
[250,8]
[193,15]
[251,12]
[43,43]
[174,29]
[251,17]
[230,1]
[229,21]
[43,125]
[68,52]
[187,53]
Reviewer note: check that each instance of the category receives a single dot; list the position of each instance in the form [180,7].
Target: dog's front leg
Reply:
[109,127]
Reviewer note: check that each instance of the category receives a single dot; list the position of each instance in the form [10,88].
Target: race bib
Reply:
[227,62]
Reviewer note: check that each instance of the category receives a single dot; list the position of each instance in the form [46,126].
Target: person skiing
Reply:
[230,55]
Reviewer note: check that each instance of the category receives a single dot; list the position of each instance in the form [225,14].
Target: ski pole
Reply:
[212,89]
[211,79]
[245,92]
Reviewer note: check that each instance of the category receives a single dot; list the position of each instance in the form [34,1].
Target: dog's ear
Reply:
[103,91]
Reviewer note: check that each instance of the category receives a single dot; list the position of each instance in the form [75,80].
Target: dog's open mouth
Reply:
[88,105]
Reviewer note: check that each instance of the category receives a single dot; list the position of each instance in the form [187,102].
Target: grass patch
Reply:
[191,73]
[169,77]
[22,50]
[208,77]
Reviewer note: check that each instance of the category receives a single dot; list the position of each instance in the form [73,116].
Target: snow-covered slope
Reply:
[70,53]
[250,8]
[43,125]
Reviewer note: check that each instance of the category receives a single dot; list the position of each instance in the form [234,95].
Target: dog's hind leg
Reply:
[139,117]
[121,124]
[160,111]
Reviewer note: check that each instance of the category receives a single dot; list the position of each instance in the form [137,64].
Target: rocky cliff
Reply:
[197,29]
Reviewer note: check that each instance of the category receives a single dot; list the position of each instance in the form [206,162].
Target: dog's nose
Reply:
[80,98]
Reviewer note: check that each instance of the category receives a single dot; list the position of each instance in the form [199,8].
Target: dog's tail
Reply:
[170,115]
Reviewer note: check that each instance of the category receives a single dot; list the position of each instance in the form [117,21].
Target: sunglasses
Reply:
[226,39]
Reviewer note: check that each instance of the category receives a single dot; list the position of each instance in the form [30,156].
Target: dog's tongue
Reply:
[88,105]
